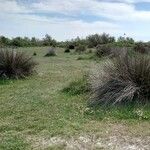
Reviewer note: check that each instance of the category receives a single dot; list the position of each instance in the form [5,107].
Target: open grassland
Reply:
[35,113]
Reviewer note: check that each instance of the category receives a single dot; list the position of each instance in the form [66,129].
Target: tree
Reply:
[97,39]
[4,41]
[48,41]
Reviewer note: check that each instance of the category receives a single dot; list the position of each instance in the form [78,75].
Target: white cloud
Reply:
[116,10]
[11,6]
[136,1]
[61,29]
[127,1]
[16,20]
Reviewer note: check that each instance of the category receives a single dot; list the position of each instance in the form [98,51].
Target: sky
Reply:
[67,19]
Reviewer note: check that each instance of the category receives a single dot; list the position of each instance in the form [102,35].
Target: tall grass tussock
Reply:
[121,81]
[14,64]
[51,52]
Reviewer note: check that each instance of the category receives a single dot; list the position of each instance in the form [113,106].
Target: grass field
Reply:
[36,114]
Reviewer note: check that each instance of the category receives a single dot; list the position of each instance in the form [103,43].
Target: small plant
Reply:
[77,87]
[90,51]
[34,54]
[51,52]
[15,64]
[67,50]
[80,48]
[122,81]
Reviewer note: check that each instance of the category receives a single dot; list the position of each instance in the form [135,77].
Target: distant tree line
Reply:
[90,41]
[94,40]
[27,42]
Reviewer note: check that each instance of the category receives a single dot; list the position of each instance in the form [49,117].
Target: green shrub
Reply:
[141,47]
[67,50]
[77,87]
[123,44]
[15,64]
[51,52]
[34,54]
[90,51]
[125,41]
[96,39]
[111,51]
[49,41]
[119,51]
[71,47]
[103,50]
[122,80]
[80,48]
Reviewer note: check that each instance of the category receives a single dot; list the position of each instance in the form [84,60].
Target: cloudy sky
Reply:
[66,19]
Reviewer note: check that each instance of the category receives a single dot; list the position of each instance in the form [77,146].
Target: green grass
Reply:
[77,87]
[36,106]
[13,142]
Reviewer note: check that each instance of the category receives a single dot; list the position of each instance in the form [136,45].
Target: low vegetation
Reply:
[67,50]
[51,106]
[14,64]
[80,48]
[110,50]
[141,47]
[103,50]
[77,87]
[50,109]
[34,54]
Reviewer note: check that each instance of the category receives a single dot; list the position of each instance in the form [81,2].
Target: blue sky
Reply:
[66,19]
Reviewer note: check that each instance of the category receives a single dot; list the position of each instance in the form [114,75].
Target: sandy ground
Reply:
[91,142]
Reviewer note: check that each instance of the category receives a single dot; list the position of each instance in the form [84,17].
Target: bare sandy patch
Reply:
[92,142]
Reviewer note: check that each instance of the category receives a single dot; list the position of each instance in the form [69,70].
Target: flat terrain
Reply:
[36,114]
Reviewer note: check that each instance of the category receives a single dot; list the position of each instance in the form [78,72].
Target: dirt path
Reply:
[87,142]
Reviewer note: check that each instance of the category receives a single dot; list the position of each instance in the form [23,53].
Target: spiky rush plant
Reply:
[15,64]
[123,80]
[51,52]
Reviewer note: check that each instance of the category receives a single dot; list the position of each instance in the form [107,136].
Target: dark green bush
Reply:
[71,47]
[125,41]
[90,51]
[15,64]
[98,39]
[124,80]
[80,48]
[67,50]
[34,54]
